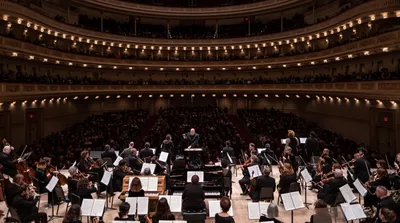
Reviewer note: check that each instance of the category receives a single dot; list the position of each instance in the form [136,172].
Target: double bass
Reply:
[22,167]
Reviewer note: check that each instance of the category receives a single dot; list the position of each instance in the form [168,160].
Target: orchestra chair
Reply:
[227,186]
[267,194]
[109,162]
[194,217]
[58,193]
[300,162]
[36,184]
[75,199]
[295,186]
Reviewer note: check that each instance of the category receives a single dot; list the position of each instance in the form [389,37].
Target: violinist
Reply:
[118,175]
[25,204]
[72,180]
[252,149]
[262,181]
[245,181]
[361,167]
[378,178]
[331,188]
[287,177]
[85,162]
[288,157]
[109,153]
[13,188]
[146,153]
[9,165]
[85,188]
[381,164]
[44,176]
[397,163]
[99,169]
[325,166]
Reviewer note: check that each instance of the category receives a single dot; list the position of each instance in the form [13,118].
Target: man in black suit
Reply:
[262,181]
[361,167]
[109,153]
[13,189]
[331,188]
[193,139]
[385,201]
[26,207]
[118,175]
[128,151]
[9,165]
[146,152]
[246,175]
[312,145]
[227,150]
[133,161]
[193,196]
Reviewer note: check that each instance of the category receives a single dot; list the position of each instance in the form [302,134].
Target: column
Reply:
[101,20]
[135,25]
[282,21]
[68,13]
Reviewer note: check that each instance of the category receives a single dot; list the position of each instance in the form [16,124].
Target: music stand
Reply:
[292,201]
[50,188]
[306,178]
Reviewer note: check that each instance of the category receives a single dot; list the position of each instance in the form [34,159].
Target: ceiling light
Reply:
[379,101]
[307,96]
[350,56]
[130,68]
[70,63]
[254,68]
[86,97]
[337,58]
[366,53]
[245,95]
[118,96]
[269,66]
[256,96]
[277,96]
[97,97]
[161,95]
[239,68]
[171,95]
[76,97]
[177,68]
[208,68]
[298,64]
[99,66]
[84,65]
[297,96]
[146,68]
[393,102]
[224,95]
[150,95]
[213,95]
[139,95]
[108,96]
[223,68]
[385,49]
[129,96]
[203,95]
[266,95]
[115,67]
[182,95]
[235,95]
[287,96]
[14,54]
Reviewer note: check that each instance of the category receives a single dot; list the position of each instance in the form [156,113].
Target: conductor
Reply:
[193,138]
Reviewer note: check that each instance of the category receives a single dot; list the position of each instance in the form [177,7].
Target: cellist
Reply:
[246,175]
[9,165]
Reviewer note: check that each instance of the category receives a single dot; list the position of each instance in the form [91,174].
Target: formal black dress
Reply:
[118,177]
[220,219]
[285,181]
[72,186]
[136,194]
[156,217]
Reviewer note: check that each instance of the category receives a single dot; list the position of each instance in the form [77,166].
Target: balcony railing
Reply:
[384,90]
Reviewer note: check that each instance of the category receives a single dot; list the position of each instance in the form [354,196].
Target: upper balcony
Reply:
[261,7]
[362,14]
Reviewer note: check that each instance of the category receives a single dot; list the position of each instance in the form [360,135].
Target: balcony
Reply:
[382,90]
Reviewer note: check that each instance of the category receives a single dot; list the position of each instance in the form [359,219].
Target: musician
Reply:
[119,174]
[146,153]
[312,145]
[272,214]
[288,157]
[381,164]
[44,176]
[227,150]
[160,169]
[85,188]
[321,213]
[226,172]
[98,168]
[13,189]
[264,181]
[292,141]
[25,205]
[385,201]
[325,152]
[287,177]
[73,215]
[378,178]
[85,162]
[147,172]
[331,187]
[361,167]
[387,215]
[109,153]
[168,146]
[324,169]
[163,211]
[128,151]
[123,212]
[246,175]
[252,149]
[133,161]
[397,162]
[193,138]
[136,188]
[9,165]
[223,216]
[193,196]
[72,181]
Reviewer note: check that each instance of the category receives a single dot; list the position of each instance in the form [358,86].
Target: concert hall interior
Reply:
[198,111]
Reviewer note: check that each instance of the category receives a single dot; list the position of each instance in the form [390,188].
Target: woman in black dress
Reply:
[123,212]
[136,188]
[163,212]
[223,216]
[73,215]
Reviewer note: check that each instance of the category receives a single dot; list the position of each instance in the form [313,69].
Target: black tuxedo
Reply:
[227,150]
[109,154]
[193,197]
[9,165]
[193,140]
[262,181]
[11,192]
[118,177]
[360,169]
[146,153]
[133,163]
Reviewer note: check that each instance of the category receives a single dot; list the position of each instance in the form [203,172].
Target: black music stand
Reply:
[50,189]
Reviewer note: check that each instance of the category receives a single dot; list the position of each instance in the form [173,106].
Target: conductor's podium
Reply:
[152,195]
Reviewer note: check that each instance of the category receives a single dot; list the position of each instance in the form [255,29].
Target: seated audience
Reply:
[163,211]
[136,188]
[73,215]
[223,216]
[193,196]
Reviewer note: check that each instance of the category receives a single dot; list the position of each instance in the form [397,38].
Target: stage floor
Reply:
[239,204]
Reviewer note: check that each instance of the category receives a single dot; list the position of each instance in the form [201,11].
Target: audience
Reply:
[223,216]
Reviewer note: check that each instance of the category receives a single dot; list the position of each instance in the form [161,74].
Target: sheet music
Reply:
[213,208]
[98,207]
[297,201]
[145,183]
[201,176]
[347,193]
[154,151]
[263,208]
[116,152]
[259,150]
[116,162]
[106,177]
[254,171]
[143,205]
[303,140]
[86,207]
[163,157]
[132,202]
[347,211]
[116,221]
[152,184]
[287,201]
[148,165]
[53,182]
[229,157]
[306,175]
[360,188]
[358,211]
[190,174]
[175,203]
[253,210]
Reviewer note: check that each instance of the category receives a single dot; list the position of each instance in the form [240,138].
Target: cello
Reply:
[22,167]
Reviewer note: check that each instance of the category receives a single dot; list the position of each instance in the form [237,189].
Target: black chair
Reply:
[60,196]
[295,186]
[36,183]
[267,194]
[75,199]
[14,215]
[194,217]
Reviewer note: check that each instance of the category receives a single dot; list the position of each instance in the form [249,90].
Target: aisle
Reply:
[239,206]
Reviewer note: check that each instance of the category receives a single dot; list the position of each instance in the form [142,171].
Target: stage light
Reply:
[366,53]
[140,96]
[235,95]
[84,65]
[379,101]
[287,96]
[277,96]
[297,96]
[266,95]
[269,66]
[203,95]
[307,96]
[256,96]
[171,95]
[385,49]
[213,95]
[177,69]
[130,68]
[254,68]
[114,67]
[182,95]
